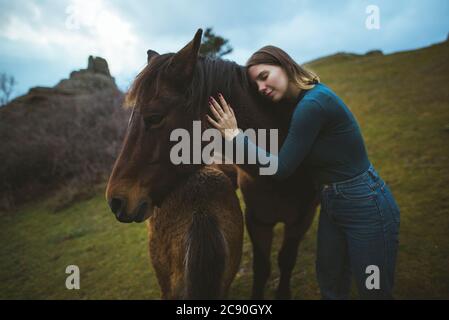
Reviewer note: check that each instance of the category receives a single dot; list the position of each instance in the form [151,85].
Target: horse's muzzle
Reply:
[143,211]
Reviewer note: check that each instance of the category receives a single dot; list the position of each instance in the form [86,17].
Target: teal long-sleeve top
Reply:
[323,135]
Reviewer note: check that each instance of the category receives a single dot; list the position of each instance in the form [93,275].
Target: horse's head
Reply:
[143,173]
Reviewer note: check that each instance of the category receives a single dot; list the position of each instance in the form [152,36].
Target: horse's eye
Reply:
[153,120]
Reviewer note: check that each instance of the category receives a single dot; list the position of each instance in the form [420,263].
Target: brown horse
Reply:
[196,237]
[171,92]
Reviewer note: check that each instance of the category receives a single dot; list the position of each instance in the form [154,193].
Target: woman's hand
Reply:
[225,120]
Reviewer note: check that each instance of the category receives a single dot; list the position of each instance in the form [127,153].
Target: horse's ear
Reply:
[184,61]
[151,54]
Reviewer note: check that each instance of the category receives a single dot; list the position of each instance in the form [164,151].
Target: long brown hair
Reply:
[302,78]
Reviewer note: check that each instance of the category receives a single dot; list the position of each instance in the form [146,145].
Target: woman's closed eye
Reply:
[263,75]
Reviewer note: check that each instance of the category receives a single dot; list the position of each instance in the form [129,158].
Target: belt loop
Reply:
[372,172]
[374,177]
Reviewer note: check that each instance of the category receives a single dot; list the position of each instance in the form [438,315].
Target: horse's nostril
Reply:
[142,209]
[116,205]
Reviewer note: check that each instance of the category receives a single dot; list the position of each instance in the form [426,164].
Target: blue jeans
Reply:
[357,236]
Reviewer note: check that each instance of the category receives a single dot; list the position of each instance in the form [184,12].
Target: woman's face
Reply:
[272,81]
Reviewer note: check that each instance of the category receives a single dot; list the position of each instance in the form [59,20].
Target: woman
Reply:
[359,218]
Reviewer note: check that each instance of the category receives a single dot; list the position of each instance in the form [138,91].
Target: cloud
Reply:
[89,27]
[53,38]
[83,28]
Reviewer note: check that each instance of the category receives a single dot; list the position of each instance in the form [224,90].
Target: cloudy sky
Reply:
[42,41]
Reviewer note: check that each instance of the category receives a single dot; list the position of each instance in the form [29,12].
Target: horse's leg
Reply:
[261,236]
[293,234]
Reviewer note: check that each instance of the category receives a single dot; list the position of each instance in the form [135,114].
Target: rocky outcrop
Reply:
[98,65]
[61,136]
[374,53]
[96,78]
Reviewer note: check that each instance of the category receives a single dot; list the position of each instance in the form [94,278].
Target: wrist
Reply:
[231,133]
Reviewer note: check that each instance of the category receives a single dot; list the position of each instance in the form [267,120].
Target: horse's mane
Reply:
[213,75]
[210,76]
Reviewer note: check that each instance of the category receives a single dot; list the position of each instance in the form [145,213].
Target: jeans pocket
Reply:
[357,192]
[362,211]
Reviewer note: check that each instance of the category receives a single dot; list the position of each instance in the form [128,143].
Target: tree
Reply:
[7,84]
[214,46]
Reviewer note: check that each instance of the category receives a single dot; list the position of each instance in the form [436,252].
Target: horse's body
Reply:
[178,86]
[196,237]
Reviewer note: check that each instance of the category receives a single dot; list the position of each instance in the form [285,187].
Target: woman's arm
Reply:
[305,125]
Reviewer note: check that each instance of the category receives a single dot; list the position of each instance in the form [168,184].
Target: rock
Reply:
[95,77]
[98,65]
[374,53]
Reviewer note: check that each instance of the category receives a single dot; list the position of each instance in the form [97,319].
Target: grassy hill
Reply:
[402,104]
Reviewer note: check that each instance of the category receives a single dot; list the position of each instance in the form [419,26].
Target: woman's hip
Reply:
[365,198]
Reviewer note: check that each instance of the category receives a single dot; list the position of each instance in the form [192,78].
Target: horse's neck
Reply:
[252,114]
[249,109]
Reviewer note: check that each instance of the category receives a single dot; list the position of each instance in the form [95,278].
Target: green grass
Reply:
[402,104]
[38,245]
